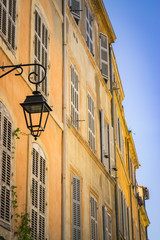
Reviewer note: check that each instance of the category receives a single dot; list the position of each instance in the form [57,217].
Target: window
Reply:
[89,29]
[107,224]
[94,226]
[40,48]
[5,165]
[8,21]
[107,144]
[91,123]
[38,199]
[75,7]
[74,98]
[76,208]
[104,66]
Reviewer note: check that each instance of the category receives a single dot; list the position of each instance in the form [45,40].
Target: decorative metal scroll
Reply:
[20,66]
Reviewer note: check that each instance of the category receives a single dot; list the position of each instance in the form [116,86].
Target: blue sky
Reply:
[137,50]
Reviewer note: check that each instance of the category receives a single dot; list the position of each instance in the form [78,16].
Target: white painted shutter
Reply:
[111,149]
[94,225]
[107,224]
[75,6]
[89,29]
[104,62]
[76,208]
[8,21]
[5,164]
[74,98]
[40,48]
[38,200]
[91,123]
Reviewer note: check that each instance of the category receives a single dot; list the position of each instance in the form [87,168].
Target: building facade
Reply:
[78,179]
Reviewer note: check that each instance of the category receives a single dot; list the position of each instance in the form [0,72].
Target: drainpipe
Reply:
[112,115]
[64,126]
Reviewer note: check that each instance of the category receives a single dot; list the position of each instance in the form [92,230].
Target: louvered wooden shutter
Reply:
[5,165]
[116,123]
[123,147]
[124,218]
[94,225]
[111,149]
[104,141]
[75,6]
[38,201]
[91,123]
[40,48]
[104,63]
[119,134]
[74,98]
[89,29]
[8,21]
[76,208]
[107,224]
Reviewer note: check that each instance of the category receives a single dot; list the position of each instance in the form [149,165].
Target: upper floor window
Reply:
[75,7]
[38,199]
[40,48]
[107,224]
[104,62]
[8,21]
[5,165]
[76,208]
[91,122]
[74,98]
[94,218]
[107,144]
[89,29]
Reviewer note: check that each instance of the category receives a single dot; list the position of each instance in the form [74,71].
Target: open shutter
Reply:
[107,224]
[75,6]
[5,165]
[94,226]
[104,141]
[111,149]
[76,208]
[104,62]
[91,123]
[74,98]
[116,123]
[123,147]
[89,29]
[38,200]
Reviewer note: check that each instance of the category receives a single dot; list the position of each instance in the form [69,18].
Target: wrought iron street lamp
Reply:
[36,110]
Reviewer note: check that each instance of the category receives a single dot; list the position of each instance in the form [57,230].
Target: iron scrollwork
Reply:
[20,66]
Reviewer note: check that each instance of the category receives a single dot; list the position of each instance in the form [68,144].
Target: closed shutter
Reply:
[123,147]
[89,29]
[111,149]
[5,164]
[76,208]
[128,224]
[104,63]
[119,134]
[75,6]
[116,124]
[124,218]
[91,123]
[104,141]
[107,224]
[40,49]
[74,98]
[38,200]
[8,21]
[94,224]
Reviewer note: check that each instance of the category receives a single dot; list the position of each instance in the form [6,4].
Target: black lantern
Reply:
[36,112]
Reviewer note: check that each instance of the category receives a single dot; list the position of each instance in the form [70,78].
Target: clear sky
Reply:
[137,49]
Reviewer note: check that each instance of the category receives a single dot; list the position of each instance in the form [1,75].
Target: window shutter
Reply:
[5,164]
[89,29]
[75,6]
[38,200]
[40,48]
[74,98]
[116,123]
[124,217]
[111,148]
[123,147]
[119,134]
[76,208]
[91,123]
[8,21]
[107,224]
[128,224]
[94,226]
[104,63]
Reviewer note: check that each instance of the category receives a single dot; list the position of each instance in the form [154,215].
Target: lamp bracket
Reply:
[20,66]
